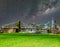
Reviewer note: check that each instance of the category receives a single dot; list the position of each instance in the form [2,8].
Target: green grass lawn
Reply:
[29,40]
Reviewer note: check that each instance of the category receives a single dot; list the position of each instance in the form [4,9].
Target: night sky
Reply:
[29,11]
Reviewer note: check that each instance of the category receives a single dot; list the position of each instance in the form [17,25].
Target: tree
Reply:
[33,25]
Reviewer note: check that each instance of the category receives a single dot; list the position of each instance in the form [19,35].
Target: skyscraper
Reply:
[52,23]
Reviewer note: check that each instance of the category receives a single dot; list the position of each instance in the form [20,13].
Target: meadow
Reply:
[29,40]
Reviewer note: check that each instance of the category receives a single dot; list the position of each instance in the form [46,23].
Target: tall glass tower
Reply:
[52,23]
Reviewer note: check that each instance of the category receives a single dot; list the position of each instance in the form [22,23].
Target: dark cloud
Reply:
[28,11]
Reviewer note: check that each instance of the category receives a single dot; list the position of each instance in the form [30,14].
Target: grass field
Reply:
[29,40]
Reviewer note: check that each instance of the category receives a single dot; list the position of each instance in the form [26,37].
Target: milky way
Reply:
[29,11]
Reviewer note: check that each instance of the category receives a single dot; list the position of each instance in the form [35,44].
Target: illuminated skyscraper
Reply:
[52,24]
